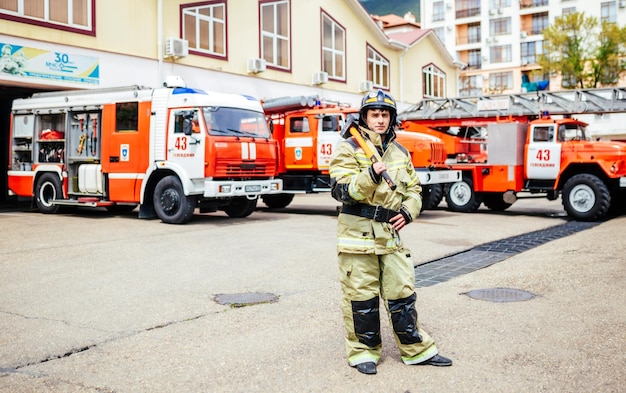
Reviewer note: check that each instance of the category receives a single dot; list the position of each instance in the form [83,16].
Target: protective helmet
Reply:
[378,100]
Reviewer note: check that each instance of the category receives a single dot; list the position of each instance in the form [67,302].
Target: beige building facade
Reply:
[261,48]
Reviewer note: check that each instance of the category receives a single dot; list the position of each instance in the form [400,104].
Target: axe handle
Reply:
[357,135]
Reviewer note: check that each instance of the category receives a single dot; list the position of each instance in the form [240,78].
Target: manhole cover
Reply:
[500,295]
[245,299]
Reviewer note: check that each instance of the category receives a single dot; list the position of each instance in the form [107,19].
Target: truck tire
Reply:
[48,188]
[586,197]
[431,196]
[171,204]
[241,207]
[495,202]
[277,201]
[461,196]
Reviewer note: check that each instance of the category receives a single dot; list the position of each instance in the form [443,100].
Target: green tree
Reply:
[584,52]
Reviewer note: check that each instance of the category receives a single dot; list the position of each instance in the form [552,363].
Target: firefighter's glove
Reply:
[375,176]
[340,192]
[405,213]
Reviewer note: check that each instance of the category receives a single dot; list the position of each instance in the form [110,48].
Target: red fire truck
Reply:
[308,129]
[169,150]
[528,142]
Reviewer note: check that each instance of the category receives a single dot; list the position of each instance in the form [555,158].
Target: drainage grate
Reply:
[443,269]
[245,299]
[500,295]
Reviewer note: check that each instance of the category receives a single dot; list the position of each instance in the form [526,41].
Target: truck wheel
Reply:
[241,207]
[495,202]
[586,197]
[277,201]
[461,196]
[47,189]
[431,196]
[618,203]
[170,203]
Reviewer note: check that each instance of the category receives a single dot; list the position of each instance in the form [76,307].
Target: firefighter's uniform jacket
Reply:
[373,261]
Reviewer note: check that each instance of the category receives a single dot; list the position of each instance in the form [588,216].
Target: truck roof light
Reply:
[174,81]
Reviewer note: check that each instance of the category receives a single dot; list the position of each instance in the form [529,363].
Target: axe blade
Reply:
[351,121]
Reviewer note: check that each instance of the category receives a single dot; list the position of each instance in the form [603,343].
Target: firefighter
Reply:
[373,261]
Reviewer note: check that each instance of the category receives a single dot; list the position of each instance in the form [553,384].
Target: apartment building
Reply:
[261,48]
[499,41]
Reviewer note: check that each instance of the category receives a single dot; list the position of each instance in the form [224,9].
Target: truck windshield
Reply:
[572,132]
[235,122]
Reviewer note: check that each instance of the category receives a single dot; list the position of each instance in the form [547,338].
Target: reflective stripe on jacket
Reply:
[350,165]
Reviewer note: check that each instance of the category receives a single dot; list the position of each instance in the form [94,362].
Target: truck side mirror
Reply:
[270,124]
[187,118]
[187,128]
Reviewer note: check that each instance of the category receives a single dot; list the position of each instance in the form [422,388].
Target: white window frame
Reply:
[470,85]
[608,11]
[20,14]
[434,80]
[277,40]
[500,54]
[377,68]
[335,71]
[505,77]
[439,12]
[212,21]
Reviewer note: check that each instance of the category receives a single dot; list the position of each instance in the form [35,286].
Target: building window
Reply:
[377,68]
[500,54]
[473,33]
[499,3]
[569,10]
[438,11]
[205,28]
[474,59]
[470,86]
[500,81]
[467,8]
[501,26]
[333,48]
[71,15]
[434,81]
[540,22]
[533,3]
[275,33]
[440,31]
[568,81]
[530,52]
[608,12]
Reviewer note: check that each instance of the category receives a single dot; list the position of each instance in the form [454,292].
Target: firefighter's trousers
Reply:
[365,278]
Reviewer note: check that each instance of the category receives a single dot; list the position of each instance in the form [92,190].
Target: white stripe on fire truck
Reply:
[126,175]
[248,151]
[253,151]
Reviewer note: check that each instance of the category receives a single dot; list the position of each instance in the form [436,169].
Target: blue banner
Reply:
[38,63]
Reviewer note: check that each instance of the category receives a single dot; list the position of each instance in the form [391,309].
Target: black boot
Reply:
[367,368]
[437,360]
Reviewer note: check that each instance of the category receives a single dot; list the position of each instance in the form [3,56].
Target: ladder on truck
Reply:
[282,105]
[534,104]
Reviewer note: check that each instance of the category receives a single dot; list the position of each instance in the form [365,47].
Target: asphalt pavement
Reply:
[93,302]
